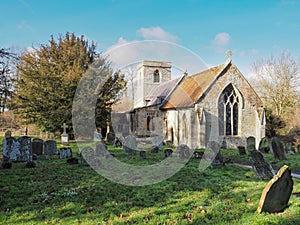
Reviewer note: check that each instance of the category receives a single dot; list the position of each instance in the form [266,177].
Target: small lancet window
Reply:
[156,76]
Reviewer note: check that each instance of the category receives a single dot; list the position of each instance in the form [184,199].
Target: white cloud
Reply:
[156,33]
[221,39]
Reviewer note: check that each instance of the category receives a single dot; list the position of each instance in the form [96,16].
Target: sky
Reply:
[251,29]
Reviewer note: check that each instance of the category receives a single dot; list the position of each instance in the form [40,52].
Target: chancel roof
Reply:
[189,91]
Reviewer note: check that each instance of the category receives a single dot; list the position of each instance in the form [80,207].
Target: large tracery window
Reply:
[229,112]
[156,76]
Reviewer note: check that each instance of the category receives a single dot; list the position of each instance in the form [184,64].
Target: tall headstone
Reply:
[276,194]
[263,169]
[37,146]
[25,149]
[277,149]
[50,147]
[251,143]
[264,145]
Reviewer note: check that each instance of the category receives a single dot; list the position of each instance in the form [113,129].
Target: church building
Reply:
[217,104]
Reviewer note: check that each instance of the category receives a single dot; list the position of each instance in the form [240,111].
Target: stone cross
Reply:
[64,126]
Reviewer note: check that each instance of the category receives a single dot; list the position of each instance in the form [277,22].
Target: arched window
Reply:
[148,123]
[229,103]
[156,76]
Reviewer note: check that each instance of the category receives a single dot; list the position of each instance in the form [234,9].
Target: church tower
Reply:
[150,74]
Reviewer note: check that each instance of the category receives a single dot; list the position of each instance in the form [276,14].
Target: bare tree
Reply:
[7,71]
[277,82]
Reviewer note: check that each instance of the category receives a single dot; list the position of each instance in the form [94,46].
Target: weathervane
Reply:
[229,54]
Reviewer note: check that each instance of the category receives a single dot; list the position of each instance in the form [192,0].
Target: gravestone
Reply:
[110,137]
[157,141]
[154,149]
[168,152]
[10,151]
[262,169]
[87,156]
[130,145]
[50,147]
[214,154]
[17,150]
[276,194]
[277,149]
[101,149]
[289,148]
[183,151]
[264,146]
[251,143]
[65,153]
[142,154]
[118,142]
[25,149]
[242,150]
[7,133]
[37,146]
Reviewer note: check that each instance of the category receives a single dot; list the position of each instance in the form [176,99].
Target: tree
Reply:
[277,82]
[48,79]
[6,75]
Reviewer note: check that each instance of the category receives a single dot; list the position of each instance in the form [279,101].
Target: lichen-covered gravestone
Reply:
[277,149]
[17,150]
[251,145]
[276,194]
[261,167]
[50,147]
[37,146]
[65,153]
[183,151]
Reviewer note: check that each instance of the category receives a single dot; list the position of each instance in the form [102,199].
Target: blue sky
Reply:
[250,29]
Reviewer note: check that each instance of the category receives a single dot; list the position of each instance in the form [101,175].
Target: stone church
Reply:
[217,104]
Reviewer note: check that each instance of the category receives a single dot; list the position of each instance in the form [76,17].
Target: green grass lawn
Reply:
[58,193]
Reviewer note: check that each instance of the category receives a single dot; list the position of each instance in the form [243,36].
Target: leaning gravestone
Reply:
[276,194]
[50,147]
[277,149]
[37,146]
[264,146]
[65,153]
[251,143]
[261,167]
[130,145]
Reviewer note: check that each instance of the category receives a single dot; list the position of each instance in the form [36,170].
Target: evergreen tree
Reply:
[48,79]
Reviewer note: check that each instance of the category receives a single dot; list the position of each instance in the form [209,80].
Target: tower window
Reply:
[156,76]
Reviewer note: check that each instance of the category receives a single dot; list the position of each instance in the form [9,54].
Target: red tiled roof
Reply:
[192,87]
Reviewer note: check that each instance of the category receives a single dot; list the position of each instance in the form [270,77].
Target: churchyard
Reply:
[64,190]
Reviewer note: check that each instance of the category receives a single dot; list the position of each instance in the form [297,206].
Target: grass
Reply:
[58,193]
